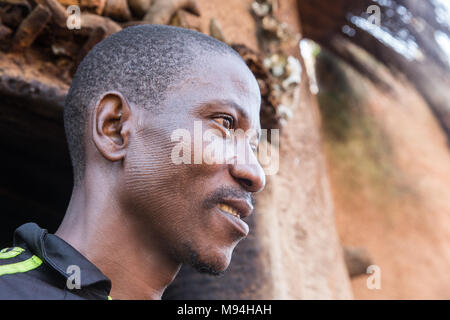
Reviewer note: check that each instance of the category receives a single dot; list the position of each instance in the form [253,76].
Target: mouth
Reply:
[235,210]
[230,210]
[238,208]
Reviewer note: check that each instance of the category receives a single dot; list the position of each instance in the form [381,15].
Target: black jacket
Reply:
[43,266]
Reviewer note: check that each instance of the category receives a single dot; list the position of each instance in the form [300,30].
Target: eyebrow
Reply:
[240,110]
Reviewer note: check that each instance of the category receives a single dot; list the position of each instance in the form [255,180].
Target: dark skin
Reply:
[136,215]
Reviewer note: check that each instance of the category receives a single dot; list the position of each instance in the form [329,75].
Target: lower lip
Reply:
[236,222]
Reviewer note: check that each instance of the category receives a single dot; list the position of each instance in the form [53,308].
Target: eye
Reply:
[225,121]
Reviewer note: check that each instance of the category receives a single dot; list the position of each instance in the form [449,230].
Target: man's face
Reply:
[192,210]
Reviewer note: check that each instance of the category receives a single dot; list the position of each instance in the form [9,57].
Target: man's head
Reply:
[129,95]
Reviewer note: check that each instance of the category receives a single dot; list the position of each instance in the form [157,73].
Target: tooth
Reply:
[228,209]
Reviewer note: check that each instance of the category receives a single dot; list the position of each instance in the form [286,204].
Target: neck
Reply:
[95,225]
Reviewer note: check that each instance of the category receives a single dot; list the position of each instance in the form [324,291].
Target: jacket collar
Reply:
[59,255]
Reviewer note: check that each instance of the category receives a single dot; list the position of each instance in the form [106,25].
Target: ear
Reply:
[111,126]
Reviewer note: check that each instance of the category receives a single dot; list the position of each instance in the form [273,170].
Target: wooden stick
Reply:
[96,6]
[139,7]
[161,11]
[59,13]
[67,3]
[118,10]
[90,22]
[30,28]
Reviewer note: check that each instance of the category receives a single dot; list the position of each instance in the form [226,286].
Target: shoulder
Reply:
[23,275]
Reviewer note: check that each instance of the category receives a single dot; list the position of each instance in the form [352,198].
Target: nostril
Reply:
[248,176]
[247,182]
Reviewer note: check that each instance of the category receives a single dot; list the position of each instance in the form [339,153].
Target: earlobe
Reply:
[111,126]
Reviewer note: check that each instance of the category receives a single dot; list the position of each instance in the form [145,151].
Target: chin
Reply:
[213,262]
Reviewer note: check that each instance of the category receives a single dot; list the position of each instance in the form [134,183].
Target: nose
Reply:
[249,176]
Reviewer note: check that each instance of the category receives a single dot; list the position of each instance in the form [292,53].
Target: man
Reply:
[135,216]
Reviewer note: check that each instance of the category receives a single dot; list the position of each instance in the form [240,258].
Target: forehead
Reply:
[218,78]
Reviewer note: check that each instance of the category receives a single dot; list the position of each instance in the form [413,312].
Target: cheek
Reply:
[148,171]
[159,189]
[217,150]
